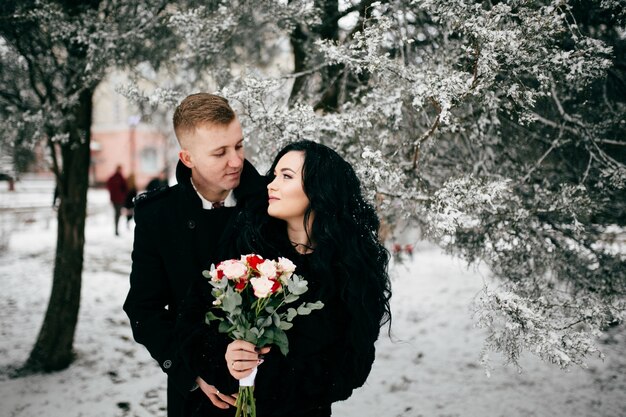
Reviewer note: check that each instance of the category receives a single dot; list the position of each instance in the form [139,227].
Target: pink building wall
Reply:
[138,150]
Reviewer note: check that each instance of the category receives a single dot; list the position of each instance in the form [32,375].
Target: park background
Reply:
[489,135]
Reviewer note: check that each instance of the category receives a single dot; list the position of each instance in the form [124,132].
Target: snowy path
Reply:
[431,368]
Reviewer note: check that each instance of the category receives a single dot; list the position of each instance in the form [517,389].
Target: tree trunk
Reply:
[54,347]
[298,40]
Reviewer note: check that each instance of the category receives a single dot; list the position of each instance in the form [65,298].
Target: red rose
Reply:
[276,285]
[254,260]
[220,274]
[240,285]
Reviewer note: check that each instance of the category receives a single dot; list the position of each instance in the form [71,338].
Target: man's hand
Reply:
[220,400]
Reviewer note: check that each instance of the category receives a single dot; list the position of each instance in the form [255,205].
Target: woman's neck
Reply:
[298,237]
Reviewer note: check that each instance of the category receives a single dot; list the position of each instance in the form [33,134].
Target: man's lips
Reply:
[273,198]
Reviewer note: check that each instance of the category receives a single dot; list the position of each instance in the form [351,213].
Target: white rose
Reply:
[286,267]
[262,286]
[234,269]
[267,269]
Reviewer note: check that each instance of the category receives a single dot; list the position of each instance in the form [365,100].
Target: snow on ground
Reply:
[430,366]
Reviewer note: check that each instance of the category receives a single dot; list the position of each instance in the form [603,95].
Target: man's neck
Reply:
[210,195]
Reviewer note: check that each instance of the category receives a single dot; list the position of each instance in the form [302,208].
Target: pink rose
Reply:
[286,267]
[234,269]
[262,286]
[267,269]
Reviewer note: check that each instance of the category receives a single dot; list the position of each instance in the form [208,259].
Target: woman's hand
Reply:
[242,357]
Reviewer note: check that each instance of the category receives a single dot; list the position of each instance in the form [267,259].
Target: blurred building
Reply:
[119,136]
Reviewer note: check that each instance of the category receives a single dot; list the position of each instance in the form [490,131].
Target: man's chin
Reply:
[234,183]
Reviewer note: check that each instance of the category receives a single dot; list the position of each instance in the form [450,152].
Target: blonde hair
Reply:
[201,109]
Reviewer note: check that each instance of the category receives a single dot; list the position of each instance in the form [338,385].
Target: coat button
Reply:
[191,224]
[167,364]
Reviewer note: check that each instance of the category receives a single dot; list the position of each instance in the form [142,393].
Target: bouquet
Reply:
[254,293]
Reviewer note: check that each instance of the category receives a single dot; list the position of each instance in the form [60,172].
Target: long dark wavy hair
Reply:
[345,234]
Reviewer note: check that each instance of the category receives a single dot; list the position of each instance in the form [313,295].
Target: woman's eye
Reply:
[287,176]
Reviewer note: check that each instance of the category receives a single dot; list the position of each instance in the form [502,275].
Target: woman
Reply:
[317,217]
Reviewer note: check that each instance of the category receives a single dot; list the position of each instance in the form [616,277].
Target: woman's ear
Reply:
[185,158]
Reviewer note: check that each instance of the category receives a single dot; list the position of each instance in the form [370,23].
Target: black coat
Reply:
[175,239]
[318,369]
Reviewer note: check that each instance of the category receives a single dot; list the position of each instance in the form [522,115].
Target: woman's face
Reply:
[287,199]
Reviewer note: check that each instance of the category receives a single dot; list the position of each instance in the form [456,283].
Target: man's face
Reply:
[215,155]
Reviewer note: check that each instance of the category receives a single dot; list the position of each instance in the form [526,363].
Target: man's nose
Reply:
[235,160]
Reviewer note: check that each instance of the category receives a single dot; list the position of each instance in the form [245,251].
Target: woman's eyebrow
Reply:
[285,169]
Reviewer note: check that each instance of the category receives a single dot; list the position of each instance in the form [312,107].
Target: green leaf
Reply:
[249,336]
[225,327]
[318,305]
[206,274]
[210,316]
[231,301]
[290,298]
[276,319]
[297,285]
[280,340]
[284,325]
[267,338]
[291,313]
[264,321]
[270,309]
[303,310]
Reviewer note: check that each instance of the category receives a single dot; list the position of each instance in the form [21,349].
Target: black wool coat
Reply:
[175,239]
[318,369]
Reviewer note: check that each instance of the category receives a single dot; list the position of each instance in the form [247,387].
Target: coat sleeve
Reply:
[202,346]
[148,305]
[319,374]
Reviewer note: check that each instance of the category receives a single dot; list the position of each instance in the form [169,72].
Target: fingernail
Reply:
[260,361]
[257,349]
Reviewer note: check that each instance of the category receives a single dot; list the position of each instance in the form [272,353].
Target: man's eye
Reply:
[219,154]
[239,146]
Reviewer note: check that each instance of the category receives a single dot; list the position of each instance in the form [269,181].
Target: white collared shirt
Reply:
[230,200]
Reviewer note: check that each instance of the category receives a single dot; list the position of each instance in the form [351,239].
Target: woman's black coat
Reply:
[318,370]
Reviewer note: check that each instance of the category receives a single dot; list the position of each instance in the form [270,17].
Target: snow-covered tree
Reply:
[53,55]
[496,127]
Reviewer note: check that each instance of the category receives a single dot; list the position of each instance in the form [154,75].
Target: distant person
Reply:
[116,184]
[129,204]
[158,182]
[55,198]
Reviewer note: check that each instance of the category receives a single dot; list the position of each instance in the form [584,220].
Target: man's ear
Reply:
[185,158]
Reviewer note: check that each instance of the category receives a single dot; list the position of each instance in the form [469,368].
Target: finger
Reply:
[228,399]
[241,345]
[263,350]
[215,399]
[242,356]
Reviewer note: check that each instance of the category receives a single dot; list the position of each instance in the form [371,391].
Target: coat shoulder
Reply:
[151,196]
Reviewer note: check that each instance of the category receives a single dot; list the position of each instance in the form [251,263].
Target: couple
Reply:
[310,209]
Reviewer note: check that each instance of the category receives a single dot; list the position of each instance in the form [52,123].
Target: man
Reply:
[177,234]
[116,184]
